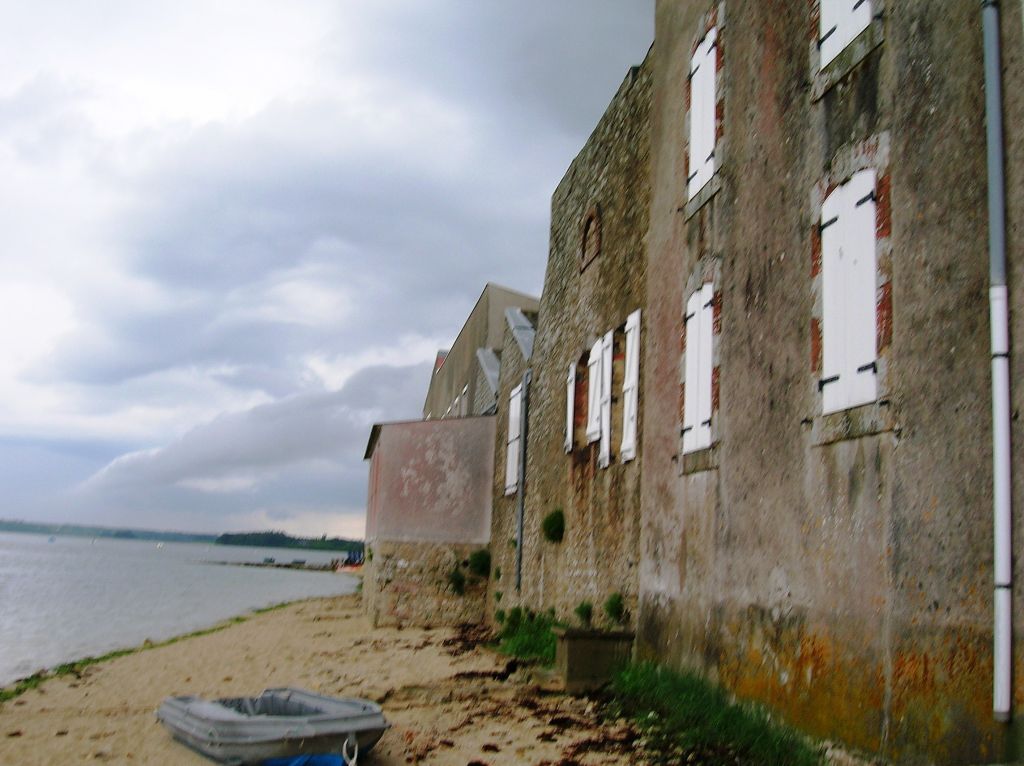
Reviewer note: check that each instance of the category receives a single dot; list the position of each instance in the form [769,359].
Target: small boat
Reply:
[279,723]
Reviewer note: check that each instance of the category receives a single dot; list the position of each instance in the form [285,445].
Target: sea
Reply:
[67,598]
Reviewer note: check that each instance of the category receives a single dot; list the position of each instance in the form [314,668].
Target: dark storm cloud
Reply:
[301,452]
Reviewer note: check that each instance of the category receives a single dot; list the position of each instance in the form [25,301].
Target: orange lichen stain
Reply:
[803,675]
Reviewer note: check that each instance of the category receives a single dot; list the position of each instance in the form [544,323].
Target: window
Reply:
[591,235]
[699,364]
[703,104]
[513,443]
[570,402]
[840,22]
[848,295]
[604,455]
[594,392]
[630,387]
[464,398]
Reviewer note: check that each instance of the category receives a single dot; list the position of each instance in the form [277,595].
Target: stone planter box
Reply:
[587,658]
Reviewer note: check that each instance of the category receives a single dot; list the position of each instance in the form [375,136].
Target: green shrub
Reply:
[457,580]
[684,714]
[369,554]
[615,608]
[499,615]
[497,596]
[480,563]
[528,636]
[497,573]
[515,617]
[585,612]
[553,526]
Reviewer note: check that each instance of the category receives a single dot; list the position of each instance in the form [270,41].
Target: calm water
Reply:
[74,598]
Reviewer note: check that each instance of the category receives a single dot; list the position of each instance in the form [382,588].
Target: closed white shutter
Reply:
[834,381]
[605,452]
[631,387]
[513,443]
[570,402]
[594,393]
[692,372]
[702,114]
[839,24]
[848,296]
[707,325]
[862,300]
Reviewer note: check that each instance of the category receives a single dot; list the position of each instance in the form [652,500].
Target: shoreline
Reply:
[450,700]
[14,689]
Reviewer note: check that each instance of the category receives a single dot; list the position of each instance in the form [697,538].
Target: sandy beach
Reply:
[450,700]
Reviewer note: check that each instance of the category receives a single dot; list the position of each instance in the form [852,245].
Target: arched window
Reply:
[590,235]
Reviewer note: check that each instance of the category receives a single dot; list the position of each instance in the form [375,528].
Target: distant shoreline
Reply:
[243,539]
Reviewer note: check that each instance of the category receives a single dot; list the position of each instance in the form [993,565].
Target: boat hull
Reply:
[278,723]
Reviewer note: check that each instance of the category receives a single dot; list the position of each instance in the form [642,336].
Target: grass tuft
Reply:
[528,636]
[684,716]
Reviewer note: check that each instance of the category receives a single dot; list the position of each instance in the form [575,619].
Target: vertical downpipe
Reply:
[999,317]
[521,489]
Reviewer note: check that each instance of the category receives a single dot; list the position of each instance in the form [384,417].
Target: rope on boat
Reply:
[350,760]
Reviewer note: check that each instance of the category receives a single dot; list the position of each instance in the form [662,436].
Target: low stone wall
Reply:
[407,584]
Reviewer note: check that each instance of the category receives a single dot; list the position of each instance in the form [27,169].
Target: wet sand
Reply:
[451,701]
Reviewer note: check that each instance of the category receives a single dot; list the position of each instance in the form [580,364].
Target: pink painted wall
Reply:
[430,481]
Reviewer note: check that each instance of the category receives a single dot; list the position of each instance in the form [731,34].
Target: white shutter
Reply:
[839,24]
[862,316]
[702,114]
[710,105]
[707,325]
[605,452]
[631,387]
[692,373]
[570,402]
[858,19]
[594,393]
[512,444]
[834,382]
[848,296]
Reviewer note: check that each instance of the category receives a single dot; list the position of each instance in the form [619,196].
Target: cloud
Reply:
[293,457]
[239,232]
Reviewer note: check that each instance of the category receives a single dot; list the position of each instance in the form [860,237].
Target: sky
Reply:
[234,233]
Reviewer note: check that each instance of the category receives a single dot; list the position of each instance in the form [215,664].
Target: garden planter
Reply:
[587,658]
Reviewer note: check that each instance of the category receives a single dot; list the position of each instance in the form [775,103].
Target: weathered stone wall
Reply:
[409,584]
[430,481]
[503,517]
[837,568]
[428,507]
[599,554]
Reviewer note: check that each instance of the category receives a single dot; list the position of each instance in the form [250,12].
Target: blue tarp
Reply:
[325,759]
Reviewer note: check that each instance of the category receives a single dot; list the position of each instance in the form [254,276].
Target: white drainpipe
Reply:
[1002,659]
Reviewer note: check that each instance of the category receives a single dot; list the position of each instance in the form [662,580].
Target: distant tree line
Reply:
[117,533]
[282,540]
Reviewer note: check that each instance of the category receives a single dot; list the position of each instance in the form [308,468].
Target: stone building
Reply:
[428,509]
[578,414]
[817,487]
[429,495]
[465,377]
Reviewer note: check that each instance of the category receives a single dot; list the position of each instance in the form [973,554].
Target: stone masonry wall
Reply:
[837,568]
[408,584]
[600,552]
[502,593]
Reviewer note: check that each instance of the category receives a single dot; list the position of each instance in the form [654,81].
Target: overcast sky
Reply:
[234,233]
